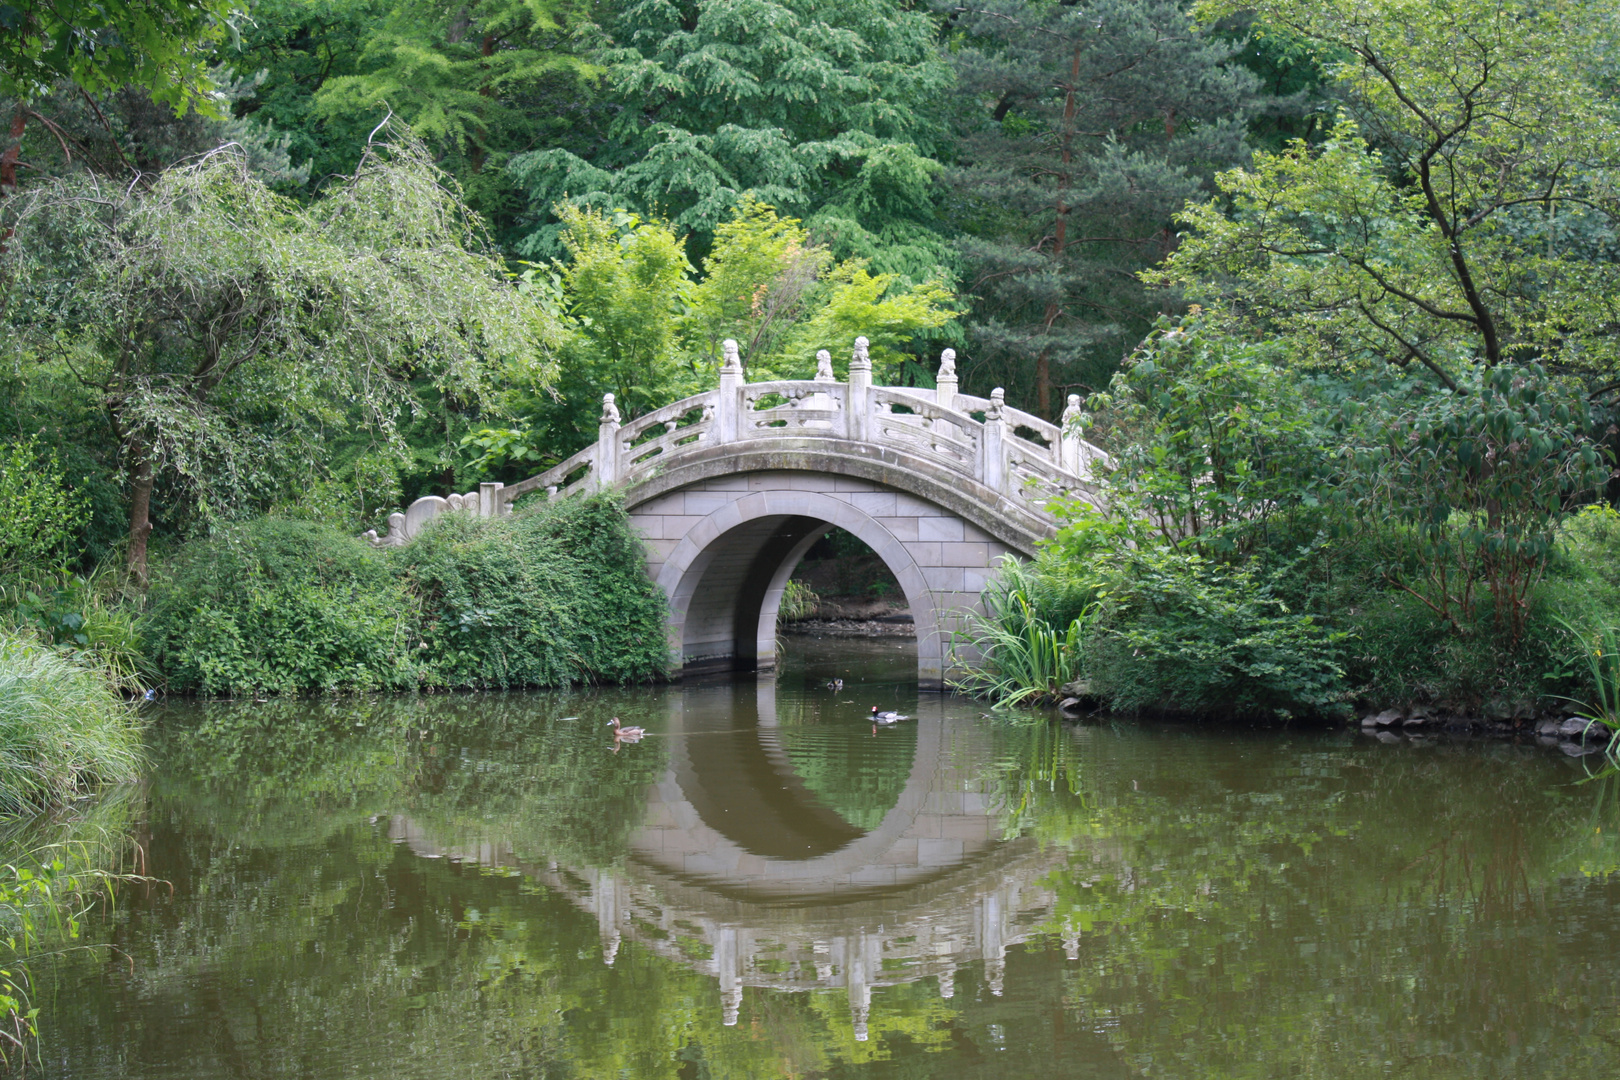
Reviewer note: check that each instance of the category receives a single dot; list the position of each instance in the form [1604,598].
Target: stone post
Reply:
[607,443]
[856,402]
[992,458]
[1069,437]
[945,381]
[729,406]
[490,503]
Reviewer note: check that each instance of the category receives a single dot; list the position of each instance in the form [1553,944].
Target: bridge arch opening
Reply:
[726,577]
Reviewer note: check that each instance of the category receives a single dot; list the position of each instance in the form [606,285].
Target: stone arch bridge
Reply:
[731,487]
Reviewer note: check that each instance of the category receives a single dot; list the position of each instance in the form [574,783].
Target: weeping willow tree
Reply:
[226,331]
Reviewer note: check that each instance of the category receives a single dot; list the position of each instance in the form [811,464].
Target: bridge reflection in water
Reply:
[744,868]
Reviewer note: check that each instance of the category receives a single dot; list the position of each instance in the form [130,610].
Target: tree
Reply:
[1465,206]
[1093,124]
[625,280]
[641,328]
[159,46]
[768,285]
[807,105]
[300,46]
[477,81]
[223,327]
[43,513]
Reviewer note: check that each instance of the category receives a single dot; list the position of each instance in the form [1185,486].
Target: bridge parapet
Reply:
[984,440]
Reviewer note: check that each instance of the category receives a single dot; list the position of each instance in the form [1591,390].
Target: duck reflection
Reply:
[797,852]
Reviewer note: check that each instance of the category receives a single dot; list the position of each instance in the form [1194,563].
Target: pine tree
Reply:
[1092,124]
[830,107]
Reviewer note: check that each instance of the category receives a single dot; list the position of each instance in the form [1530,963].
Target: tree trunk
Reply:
[140,509]
[1060,237]
[13,152]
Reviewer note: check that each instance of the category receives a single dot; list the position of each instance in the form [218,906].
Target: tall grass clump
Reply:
[1013,652]
[63,728]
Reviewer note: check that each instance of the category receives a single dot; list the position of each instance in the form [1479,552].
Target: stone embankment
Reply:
[1573,735]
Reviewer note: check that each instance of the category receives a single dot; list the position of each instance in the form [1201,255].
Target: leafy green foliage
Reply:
[803,104]
[548,597]
[769,286]
[1601,651]
[225,328]
[1213,439]
[1464,206]
[161,46]
[43,515]
[281,606]
[1179,631]
[626,281]
[1011,652]
[476,81]
[799,600]
[1482,476]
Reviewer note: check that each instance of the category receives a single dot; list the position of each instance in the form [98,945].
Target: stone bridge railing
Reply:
[981,439]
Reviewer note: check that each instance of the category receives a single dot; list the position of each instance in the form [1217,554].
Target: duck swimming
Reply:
[626,734]
[887,717]
[836,685]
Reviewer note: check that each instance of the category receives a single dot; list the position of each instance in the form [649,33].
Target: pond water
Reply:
[763,886]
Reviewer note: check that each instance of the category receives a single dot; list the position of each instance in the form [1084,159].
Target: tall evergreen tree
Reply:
[1093,123]
[830,107]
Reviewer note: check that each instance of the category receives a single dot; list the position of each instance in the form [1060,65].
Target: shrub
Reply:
[79,615]
[553,595]
[42,515]
[277,605]
[1481,478]
[1180,632]
[63,728]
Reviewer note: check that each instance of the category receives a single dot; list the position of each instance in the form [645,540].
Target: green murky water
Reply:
[480,886]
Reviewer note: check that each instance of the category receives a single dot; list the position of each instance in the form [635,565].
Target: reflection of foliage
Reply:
[1253,893]
[51,870]
[1239,905]
[858,777]
[460,767]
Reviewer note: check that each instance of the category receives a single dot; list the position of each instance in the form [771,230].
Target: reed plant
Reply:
[1010,652]
[1601,651]
[799,600]
[64,727]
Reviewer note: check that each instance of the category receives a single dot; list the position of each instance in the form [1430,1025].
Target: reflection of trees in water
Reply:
[1358,910]
[1237,906]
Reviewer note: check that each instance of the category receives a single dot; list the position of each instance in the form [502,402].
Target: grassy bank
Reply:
[550,596]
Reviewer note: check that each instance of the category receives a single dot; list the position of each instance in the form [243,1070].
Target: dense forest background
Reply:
[1338,288]
[656,177]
